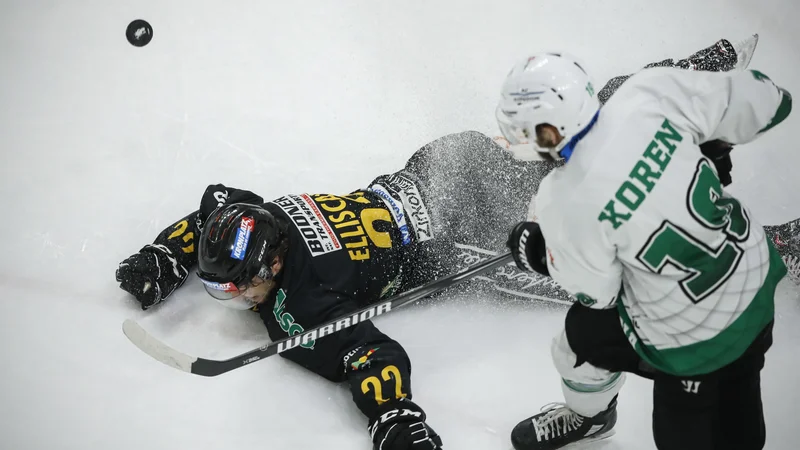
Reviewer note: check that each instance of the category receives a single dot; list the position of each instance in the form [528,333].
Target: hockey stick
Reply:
[211,367]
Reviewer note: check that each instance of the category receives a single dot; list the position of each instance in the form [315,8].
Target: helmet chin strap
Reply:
[566,152]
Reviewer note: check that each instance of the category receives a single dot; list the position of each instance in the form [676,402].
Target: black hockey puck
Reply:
[139,33]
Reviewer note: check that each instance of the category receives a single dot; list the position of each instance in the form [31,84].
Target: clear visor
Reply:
[511,131]
[241,303]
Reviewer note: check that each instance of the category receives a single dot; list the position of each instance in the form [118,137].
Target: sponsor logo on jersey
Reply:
[243,237]
[363,361]
[308,219]
[356,228]
[414,205]
[350,355]
[396,210]
[286,320]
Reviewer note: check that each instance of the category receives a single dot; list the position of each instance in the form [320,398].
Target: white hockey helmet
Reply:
[546,88]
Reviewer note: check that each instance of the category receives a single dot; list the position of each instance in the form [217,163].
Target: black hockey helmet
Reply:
[238,242]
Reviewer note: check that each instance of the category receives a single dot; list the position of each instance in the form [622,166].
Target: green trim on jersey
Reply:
[724,348]
[592,388]
[784,109]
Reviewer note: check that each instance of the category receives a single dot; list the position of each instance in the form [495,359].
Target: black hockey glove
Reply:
[527,247]
[151,275]
[400,425]
[720,154]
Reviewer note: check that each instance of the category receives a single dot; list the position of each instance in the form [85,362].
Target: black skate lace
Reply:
[557,421]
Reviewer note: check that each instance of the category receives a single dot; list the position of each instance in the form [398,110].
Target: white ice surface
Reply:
[104,144]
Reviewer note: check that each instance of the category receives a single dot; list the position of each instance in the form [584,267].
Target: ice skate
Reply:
[744,51]
[558,427]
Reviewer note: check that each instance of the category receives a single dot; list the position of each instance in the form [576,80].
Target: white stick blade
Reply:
[155,348]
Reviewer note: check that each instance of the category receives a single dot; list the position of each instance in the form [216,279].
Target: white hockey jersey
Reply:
[637,219]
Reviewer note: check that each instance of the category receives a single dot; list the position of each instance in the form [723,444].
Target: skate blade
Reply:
[585,444]
[746,51]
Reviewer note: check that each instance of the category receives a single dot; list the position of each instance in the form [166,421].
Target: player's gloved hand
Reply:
[400,425]
[720,154]
[151,275]
[526,243]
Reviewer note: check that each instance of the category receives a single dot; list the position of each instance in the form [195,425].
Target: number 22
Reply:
[387,373]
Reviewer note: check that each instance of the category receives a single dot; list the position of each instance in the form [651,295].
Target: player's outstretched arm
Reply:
[154,272]
[157,269]
[732,107]
[754,105]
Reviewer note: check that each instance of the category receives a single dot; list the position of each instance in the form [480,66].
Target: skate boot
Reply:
[558,427]
[744,51]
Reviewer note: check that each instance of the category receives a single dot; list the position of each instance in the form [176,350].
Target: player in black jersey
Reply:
[303,259]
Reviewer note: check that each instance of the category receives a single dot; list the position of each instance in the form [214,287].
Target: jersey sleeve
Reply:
[580,258]
[180,237]
[734,107]
[217,195]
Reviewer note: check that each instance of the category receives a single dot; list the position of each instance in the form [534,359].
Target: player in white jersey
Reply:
[721,56]
[675,278]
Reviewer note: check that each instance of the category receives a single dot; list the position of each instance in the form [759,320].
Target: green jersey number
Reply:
[706,268]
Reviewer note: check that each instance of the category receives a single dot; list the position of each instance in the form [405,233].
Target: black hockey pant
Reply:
[720,410]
